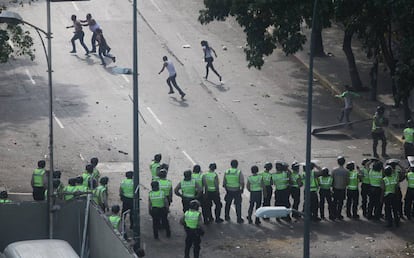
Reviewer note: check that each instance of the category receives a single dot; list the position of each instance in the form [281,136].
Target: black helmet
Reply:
[194,204]
[268,166]
[325,171]
[340,160]
[89,168]
[162,173]
[380,109]
[94,161]
[278,165]
[129,174]
[104,180]
[196,169]
[57,174]
[164,166]
[212,166]
[350,165]
[187,174]
[155,185]
[410,123]
[377,166]
[364,161]
[72,181]
[157,157]
[295,165]
[388,170]
[115,209]
[3,194]
[41,163]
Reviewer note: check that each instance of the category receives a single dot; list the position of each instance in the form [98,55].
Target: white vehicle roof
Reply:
[45,248]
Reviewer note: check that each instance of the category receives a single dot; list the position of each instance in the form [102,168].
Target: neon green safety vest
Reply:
[295,176]
[375,178]
[157,199]
[165,186]
[198,177]
[210,178]
[69,189]
[313,182]
[255,183]
[365,176]
[115,220]
[86,177]
[325,182]
[97,194]
[127,187]
[377,127]
[410,180]
[188,188]
[96,174]
[267,176]
[5,201]
[408,135]
[154,167]
[280,180]
[390,185]
[232,176]
[191,219]
[38,177]
[353,180]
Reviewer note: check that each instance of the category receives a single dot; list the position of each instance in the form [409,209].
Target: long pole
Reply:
[135,214]
[49,72]
[306,233]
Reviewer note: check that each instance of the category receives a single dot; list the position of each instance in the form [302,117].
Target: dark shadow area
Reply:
[219,86]
[179,101]
[332,136]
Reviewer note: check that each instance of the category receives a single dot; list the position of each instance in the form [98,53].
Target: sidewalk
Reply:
[332,73]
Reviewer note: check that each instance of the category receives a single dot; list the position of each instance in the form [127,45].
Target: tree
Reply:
[269,24]
[21,41]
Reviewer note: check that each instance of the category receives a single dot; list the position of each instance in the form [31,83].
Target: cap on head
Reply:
[157,157]
[350,165]
[41,164]
[196,169]
[212,166]
[340,160]
[234,163]
[129,174]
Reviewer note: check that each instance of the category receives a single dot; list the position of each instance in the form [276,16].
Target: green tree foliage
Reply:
[267,23]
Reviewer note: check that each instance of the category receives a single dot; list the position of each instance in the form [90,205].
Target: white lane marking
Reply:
[10,43]
[75,6]
[58,121]
[188,157]
[81,157]
[125,77]
[30,77]
[155,117]
[11,193]
[156,6]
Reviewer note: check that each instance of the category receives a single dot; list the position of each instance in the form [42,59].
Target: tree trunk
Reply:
[318,51]
[353,70]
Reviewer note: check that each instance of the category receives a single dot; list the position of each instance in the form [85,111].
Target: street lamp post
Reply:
[15,18]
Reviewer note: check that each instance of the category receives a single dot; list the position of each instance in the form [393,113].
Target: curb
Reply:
[331,87]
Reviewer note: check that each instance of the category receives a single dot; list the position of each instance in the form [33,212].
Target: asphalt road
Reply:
[255,116]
